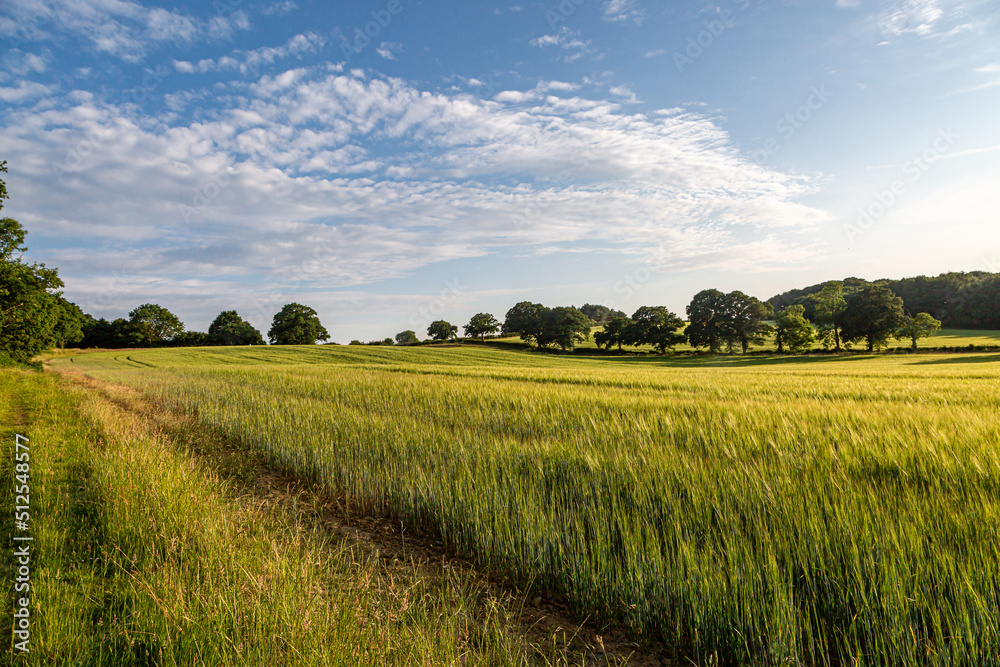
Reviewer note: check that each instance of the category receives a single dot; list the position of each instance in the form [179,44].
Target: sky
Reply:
[394,162]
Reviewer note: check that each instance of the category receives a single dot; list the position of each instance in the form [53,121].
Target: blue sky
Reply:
[398,161]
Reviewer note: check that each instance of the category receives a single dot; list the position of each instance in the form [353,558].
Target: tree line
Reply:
[959,300]
[717,321]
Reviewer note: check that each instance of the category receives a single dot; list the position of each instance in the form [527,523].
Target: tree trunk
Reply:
[836,336]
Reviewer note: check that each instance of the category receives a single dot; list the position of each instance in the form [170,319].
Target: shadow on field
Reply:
[737,361]
[978,359]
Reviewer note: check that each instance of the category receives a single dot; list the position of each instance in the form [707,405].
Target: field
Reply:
[742,510]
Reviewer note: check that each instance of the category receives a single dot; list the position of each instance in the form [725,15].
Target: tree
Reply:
[914,328]
[68,328]
[874,314]
[564,326]
[481,324]
[656,326]
[829,306]
[793,330]
[441,330]
[296,324]
[109,335]
[600,314]
[709,322]
[613,333]
[406,338]
[746,316]
[29,302]
[525,319]
[228,328]
[155,323]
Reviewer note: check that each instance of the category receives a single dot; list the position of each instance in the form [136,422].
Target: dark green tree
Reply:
[441,330]
[874,315]
[600,314]
[70,320]
[746,316]
[923,325]
[296,324]
[228,328]
[154,323]
[709,321]
[109,335]
[29,301]
[406,338]
[480,325]
[793,330]
[564,326]
[614,333]
[829,305]
[525,319]
[656,326]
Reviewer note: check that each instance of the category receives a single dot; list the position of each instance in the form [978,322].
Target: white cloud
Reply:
[121,28]
[333,180]
[910,16]
[389,50]
[280,8]
[252,61]
[622,10]
[25,90]
[566,39]
[654,53]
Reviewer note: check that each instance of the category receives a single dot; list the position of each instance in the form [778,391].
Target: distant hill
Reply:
[960,300]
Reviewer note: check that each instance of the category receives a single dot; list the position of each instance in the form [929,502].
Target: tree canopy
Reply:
[440,330]
[228,328]
[656,326]
[600,314]
[873,314]
[407,337]
[614,332]
[154,323]
[480,325]
[915,328]
[793,330]
[296,324]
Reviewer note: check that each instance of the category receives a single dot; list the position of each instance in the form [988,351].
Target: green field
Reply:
[745,510]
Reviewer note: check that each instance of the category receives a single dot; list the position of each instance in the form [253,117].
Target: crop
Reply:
[815,511]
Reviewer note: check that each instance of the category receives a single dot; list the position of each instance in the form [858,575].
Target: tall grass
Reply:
[146,554]
[832,512]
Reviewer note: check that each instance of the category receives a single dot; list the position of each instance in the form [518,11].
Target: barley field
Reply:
[743,510]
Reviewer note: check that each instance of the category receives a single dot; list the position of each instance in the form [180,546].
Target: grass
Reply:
[764,511]
[151,549]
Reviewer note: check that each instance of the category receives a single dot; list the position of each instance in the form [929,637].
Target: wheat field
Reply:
[764,511]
